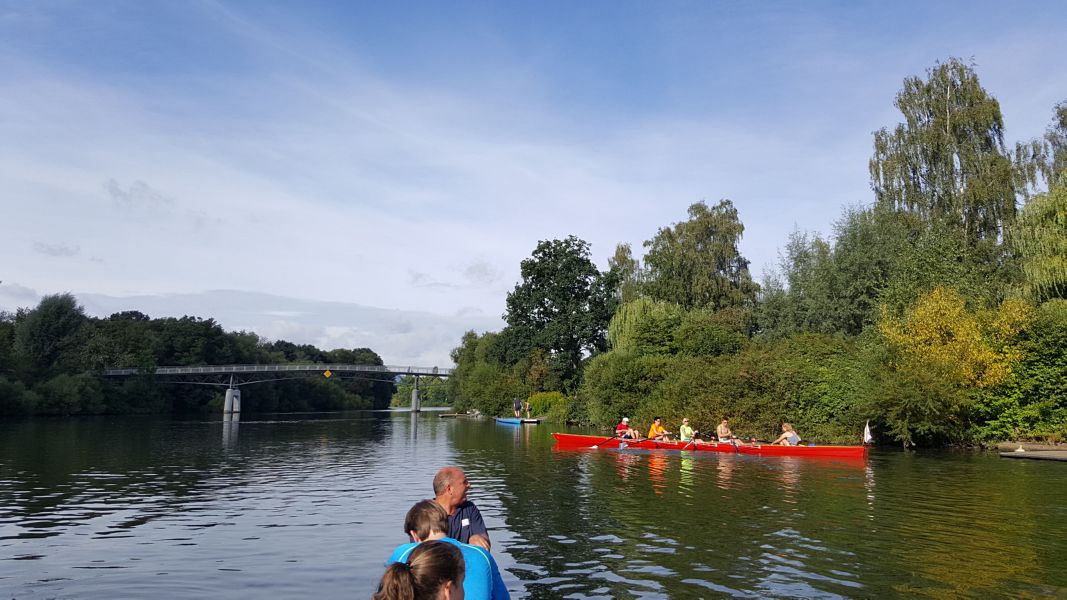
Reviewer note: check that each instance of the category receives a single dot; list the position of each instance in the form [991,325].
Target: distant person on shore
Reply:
[431,571]
[657,432]
[464,519]
[427,521]
[687,434]
[789,436]
[516,405]
[623,430]
[724,433]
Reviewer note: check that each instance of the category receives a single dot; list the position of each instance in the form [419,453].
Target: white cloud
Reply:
[303,168]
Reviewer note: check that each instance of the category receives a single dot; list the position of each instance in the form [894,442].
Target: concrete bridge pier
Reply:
[233,398]
[416,400]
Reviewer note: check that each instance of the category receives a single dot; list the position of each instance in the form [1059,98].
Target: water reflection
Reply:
[311,506]
[725,472]
[624,462]
[657,469]
[231,422]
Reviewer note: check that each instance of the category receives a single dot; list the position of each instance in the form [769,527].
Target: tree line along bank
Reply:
[937,311]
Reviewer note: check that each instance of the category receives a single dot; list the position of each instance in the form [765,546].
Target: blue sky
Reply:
[301,169]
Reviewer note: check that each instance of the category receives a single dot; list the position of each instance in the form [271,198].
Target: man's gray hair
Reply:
[443,479]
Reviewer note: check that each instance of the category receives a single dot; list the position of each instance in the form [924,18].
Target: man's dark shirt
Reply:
[465,522]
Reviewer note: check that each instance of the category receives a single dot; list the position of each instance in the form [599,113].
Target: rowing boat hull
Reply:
[573,441]
[510,421]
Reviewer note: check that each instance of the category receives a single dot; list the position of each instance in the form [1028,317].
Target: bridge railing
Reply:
[337,368]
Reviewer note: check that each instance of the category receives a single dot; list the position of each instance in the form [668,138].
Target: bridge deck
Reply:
[334,368]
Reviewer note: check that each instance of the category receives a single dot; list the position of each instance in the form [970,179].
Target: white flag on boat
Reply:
[867,437]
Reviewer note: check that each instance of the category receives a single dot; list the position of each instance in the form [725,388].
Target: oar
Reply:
[691,440]
[604,441]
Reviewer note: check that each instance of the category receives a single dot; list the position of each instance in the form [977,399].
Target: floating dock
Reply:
[1060,455]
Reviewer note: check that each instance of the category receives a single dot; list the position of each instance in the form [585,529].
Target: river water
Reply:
[298,506]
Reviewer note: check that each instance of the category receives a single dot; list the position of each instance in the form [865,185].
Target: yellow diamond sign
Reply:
[327,373]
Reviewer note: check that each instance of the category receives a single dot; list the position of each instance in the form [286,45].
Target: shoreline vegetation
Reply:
[937,311]
[52,359]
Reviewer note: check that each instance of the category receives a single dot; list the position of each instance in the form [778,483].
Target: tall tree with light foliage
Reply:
[697,263]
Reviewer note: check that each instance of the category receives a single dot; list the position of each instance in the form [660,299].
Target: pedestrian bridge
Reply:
[339,369]
[233,376]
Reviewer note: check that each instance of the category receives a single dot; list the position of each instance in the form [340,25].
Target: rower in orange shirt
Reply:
[657,432]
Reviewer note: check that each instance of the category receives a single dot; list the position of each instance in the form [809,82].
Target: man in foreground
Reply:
[464,519]
[427,521]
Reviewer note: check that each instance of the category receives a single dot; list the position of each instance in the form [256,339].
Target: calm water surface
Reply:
[296,506]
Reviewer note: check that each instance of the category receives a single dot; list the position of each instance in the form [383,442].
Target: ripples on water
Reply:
[297,507]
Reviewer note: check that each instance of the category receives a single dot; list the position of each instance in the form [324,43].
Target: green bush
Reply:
[70,395]
[15,399]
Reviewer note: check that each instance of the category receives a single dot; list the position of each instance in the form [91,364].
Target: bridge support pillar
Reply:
[416,400]
[233,398]
[233,401]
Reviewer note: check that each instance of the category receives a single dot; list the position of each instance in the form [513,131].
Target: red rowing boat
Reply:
[573,441]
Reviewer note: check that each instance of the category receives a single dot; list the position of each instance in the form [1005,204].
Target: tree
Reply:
[563,303]
[970,349]
[627,270]
[1041,241]
[45,334]
[947,160]
[1055,169]
[697,264]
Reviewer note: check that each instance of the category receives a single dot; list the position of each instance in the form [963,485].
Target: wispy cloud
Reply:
[56,250]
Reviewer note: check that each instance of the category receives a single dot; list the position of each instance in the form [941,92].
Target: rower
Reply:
[687,434]
[657,432]
[789,436]
[724,433]
[623,430]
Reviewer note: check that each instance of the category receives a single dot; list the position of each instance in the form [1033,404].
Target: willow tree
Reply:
[947,161]
[697,264]
[1040,239]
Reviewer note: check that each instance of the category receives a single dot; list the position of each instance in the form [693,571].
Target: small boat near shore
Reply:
[516,421]
[573,441]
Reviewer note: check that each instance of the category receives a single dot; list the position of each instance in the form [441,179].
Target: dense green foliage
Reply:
[52,359]
[935,312]
[433,391]
[561,307]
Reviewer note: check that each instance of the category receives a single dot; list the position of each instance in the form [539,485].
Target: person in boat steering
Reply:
[432,571]
[724,433]
[426,522]
[789,436]
[623,430]
[687,434]
[657,432]
[465,521]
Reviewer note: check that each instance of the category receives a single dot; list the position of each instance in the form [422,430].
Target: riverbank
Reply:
[1030,446]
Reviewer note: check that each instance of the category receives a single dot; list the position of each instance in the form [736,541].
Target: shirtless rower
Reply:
[724,433]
